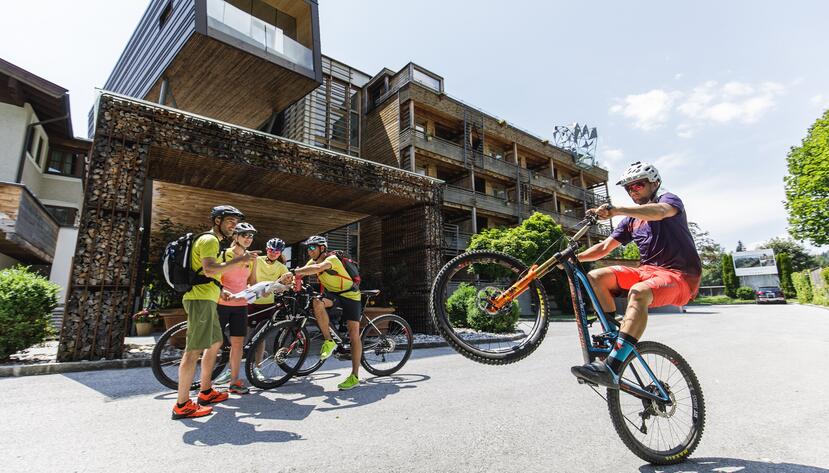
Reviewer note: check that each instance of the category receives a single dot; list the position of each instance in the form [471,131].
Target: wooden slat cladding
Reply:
[442,104]
[152,48]
[190,207]
[219,81]
[27,232]
[381,134]
[9,201]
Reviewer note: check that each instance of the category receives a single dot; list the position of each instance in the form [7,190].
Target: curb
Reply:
[77,366]
[72,367]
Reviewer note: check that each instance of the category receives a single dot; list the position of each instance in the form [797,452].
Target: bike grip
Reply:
[297,283]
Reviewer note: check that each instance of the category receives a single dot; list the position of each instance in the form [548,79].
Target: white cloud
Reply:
[649,110]
[820,100]
[705,104]
[670,161]
[678,76]
[611,155]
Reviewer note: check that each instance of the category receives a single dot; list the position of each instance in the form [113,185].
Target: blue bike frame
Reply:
[577,280]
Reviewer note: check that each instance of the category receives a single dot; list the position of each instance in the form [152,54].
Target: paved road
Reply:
[763,371]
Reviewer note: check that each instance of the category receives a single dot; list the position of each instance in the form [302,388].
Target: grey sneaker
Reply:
[223,378]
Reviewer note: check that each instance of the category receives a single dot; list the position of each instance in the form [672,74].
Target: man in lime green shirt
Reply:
[204,333]
[339,288]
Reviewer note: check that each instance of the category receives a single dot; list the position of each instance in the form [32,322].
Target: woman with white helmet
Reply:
[669,269]
[233,313]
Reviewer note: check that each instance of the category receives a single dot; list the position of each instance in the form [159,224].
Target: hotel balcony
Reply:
[237,61]
[28,232]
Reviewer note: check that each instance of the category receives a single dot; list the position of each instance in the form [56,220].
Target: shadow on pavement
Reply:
[727,465]
[227,425]
[118,384]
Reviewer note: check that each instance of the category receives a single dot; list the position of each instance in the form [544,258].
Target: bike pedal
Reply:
[582,381]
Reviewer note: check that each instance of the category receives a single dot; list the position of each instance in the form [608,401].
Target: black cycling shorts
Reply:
[236,317]
[352,310]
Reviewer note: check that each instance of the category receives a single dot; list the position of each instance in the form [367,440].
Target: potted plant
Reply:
[143,323]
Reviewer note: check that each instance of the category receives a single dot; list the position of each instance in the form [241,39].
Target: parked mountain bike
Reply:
[387,339]
[169,349]
[659,410]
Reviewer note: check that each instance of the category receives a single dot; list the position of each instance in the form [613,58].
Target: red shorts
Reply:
[669,287]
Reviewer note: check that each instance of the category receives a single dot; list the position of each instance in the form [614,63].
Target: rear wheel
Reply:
[166,358]
[459,308]
[275,355]
[387,345]
[660,433]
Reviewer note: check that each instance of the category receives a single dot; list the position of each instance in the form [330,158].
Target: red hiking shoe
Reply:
[212,397]
[189,410]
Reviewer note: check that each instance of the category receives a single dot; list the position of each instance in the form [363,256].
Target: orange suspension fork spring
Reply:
[515,290]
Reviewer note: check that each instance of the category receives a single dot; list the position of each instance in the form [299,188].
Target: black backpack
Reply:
[351,267]
[175,263]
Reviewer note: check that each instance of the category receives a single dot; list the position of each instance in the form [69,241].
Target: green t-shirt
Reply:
[337,282]
[206,246]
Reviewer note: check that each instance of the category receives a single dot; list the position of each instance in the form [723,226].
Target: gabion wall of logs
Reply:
[103,283]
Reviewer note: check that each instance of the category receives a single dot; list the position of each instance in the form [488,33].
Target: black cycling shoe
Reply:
[596,373]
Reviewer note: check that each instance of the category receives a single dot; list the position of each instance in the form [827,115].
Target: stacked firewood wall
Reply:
[103,274]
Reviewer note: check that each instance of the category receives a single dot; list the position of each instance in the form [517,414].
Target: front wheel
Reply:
[460,311]
[387,344]
[166,358]
[276,354]
[660,433]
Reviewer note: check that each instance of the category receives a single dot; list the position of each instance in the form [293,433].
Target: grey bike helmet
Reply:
[275,244]
[243,227]
[222,211]
[316,240]
[639,171]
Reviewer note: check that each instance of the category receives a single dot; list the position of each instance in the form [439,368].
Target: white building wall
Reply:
[62,264]
[13,122]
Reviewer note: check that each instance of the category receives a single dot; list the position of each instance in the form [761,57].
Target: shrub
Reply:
[821,296]
[802,286]
[456,304]
[480,320]
[784,269]
[745,293]
[26,303]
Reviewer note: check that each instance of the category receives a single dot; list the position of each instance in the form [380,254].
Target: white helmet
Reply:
[638,171]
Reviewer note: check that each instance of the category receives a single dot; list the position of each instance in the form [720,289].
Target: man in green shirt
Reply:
[339,288]
[204,333]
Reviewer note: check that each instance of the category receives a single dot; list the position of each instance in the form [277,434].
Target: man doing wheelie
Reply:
[669,270]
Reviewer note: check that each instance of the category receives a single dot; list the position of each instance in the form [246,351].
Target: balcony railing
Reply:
[239,24]
[468,198]
[454,240]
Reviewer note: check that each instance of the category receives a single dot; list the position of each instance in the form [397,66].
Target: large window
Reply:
[65,216]
[425,79]
[65,163]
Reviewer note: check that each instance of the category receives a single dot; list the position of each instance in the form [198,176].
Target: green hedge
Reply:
[821,296]
[26,303]
[462,310]
[745,293]
[803,286]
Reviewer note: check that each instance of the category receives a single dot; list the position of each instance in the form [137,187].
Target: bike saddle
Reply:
[370,292]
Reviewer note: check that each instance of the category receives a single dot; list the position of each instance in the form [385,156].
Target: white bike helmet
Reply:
[638,171]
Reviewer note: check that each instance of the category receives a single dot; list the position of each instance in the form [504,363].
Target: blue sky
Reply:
[713,93]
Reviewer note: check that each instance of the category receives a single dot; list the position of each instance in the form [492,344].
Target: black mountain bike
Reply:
[387,340]
[167,353]
[659,410]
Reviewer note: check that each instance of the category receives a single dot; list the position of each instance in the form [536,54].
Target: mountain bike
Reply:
[167,353]
[491,308]
[387,339]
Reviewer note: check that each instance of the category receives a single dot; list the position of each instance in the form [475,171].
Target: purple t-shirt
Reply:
[666,243]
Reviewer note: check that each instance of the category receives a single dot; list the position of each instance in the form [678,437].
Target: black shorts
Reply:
[352,310]
[236,317]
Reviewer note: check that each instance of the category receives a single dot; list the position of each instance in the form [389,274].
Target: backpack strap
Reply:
[331,272]
[222,250]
